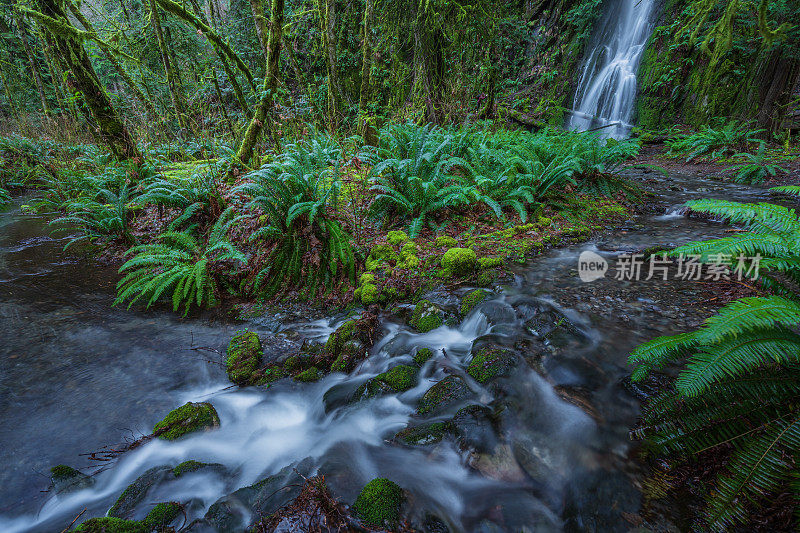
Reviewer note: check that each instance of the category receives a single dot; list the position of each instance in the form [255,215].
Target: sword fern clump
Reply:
[739,386]
[180,264]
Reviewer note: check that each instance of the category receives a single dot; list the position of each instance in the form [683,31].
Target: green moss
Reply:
[422,355]
[62,472]
[471,299]
[399,378]
[490,262]
[485,279]
[370,294]
[340,364]
[544,221]
[162,515]
[108,524]
[186,467]
[396,237]
[426,316]
[460,261]
[444,240]
[383,252]
[243,357]
[371,388]
[367,277]
[425,434]
[270,374]
[380,503]
[186,419]
[306,376]
[408,261]
[339,337]
[450,390]
[292,364]
[491,363]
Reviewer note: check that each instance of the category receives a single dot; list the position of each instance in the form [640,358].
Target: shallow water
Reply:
[78,374]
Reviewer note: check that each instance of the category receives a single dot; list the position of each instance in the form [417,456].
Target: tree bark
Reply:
[366,73]
[83,80]
[174,89]
[327,12]
[257,7]
[37,77]
[266,103]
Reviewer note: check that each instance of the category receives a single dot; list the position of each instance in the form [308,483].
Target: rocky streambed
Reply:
[497,409]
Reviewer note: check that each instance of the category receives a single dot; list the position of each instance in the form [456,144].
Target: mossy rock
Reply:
[380,503]
[379,255]
[186,419]
[338,338]
[425,434]
[396,237]
[190,466]
[449,391]
[491,363]
[485,263]
[471,299]
[422,355]
[66,479]
[136,492]
[444,240]
[162,515]
[109,524]
[408,261]
[460,261]
[426,317]
[544,222]
[400,378]
[371,388]
[307,376]
[369,294]
[269,374]
[243,357]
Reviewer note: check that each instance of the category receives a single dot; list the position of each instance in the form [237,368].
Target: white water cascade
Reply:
[607,85]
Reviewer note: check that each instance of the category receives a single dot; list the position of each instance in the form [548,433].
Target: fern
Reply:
[180,264]
[740,382]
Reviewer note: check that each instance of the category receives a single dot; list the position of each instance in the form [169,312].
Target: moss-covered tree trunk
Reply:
[327,14]
[365,126]
[37,77]
[266,103]
[175,93]
[260,18]
[83,80]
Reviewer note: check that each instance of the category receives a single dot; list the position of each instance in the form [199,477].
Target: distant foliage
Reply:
[182,266]
[756,168]
[714,142]
[739,383]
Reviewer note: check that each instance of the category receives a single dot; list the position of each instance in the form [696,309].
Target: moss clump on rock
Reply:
[471,299]
[67,479]
[108,524]
[444,240]
[399,378]
[425,434]
[460,261]
[187,466]
[380,503]
[186,419]
[162,515]
[369,294]
[396,237]
[422,355]
[243,357]
[371,388]
[490,262]
[449,391]
[339,337]
[426,316]
[307,376]
[490,363]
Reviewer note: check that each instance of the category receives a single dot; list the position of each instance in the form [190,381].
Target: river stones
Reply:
[491,363]
[66,479]
[426,316]
[162,515]
[397,379]
[448,392]
[380,503]
[471,299]
[474,427]
[136,491]
[244,355]
[186,419]
[108,524]
[424,434]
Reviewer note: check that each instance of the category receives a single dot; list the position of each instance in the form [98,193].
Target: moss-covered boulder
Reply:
[380,256]
[396,237]
[243,358]
[398,379]
[450,391]
[471,299]
[491,363]
[186,419]
[187,467]
[109,524]
[309,375]
[460,261]
[338,338]
[426,316]
[422,355]
[136,492]
[380,503]
[66,479]
[485,263]
[444,240]
[162,515]
[370,389]
[424,434]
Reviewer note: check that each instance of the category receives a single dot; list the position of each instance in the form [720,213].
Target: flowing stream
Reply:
[78,374]
[606,91]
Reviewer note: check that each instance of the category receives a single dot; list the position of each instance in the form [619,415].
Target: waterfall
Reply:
[607,84]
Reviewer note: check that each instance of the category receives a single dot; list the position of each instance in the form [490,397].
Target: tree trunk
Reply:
[257,6]
[37,77]
[327,12]
[265,104]
[366,129]
[84,81]
[174,88]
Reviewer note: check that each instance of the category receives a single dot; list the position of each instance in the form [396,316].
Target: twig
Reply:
[73,521]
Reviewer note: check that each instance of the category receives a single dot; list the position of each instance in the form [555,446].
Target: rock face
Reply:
[380,503]
[186,419]
[450,391]
[66,479]
[243,358]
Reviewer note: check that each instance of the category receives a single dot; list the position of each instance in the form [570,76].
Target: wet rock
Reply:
[398,379]
[497,312]
[491,363]
[448,392]
[136,492]
[471,299]
[500,465]
[474,426]
[424,434]
[370,389]
[186,419]
[201,525]
[109,524]
[426,317]
[536,457]
[188,467]
[599,501]
[308,375]
[433,524]
[162,515]
[380,503]
[66,479]
[422,355]
[243,357]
